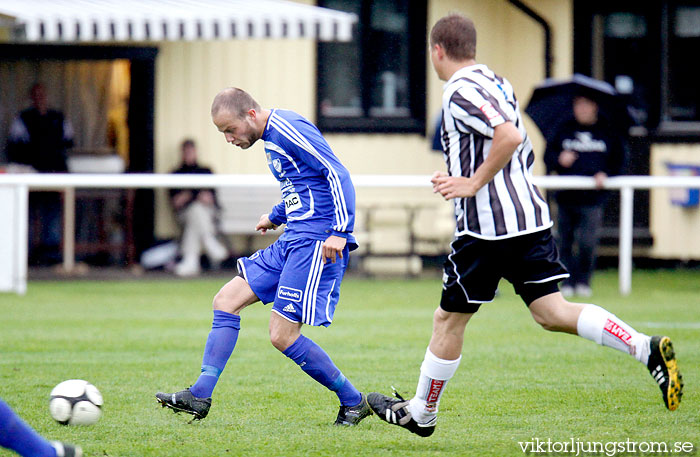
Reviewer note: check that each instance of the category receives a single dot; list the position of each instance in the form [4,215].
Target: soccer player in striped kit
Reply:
[301,272]
[503,231]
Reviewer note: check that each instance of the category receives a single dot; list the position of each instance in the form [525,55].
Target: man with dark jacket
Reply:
[39,137]
[585,146]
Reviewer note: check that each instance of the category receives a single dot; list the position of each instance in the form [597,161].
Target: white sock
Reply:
[434,374]
[603,327]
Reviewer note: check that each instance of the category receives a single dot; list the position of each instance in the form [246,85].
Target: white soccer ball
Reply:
[75,402]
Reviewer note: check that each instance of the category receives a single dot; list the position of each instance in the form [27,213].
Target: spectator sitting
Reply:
[39,138]
[197,213]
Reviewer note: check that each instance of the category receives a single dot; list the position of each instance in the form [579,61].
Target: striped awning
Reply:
[170,20]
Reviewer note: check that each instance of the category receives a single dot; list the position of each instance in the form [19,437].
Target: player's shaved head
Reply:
[235,101]
[457,36]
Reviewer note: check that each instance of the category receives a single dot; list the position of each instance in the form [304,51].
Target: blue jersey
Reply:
[318,197]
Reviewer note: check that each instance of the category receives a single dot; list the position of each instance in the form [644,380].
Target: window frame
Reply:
[669,127]
[417,42]
[658,21]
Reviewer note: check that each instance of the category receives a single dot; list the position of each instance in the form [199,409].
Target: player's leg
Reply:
[535,280]
[257,280]
[228,303]
[233,297]
[441,360]
[316,363]
[313,360]
[17,435]
[308,293]
[601,326]
[553,312]
[470,279]
[439,364]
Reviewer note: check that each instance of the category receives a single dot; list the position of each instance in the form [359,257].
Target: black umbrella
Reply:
[551,103]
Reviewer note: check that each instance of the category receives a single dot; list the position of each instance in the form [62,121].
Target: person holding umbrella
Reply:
[588,144]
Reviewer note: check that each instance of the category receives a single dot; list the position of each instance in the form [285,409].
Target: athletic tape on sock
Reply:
[209,370]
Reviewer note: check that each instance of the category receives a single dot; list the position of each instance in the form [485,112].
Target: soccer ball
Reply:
[75,402]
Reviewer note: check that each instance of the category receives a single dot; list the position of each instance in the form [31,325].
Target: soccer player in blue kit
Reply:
[301,272]
[17,435]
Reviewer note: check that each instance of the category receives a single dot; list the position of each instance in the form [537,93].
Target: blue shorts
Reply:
[292,274]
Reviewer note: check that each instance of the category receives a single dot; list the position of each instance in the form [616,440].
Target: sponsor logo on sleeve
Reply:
[489,111]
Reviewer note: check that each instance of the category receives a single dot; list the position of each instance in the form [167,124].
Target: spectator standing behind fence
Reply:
[585,146]
[39,137]
[197,213]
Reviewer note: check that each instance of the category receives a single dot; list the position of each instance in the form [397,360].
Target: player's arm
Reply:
[475,111]
[341,188]
[506,138]
[278,215]
[344,203]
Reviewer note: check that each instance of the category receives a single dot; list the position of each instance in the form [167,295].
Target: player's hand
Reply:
[264,224]
[433,179]
[333,246]
[567,158]
[454,187]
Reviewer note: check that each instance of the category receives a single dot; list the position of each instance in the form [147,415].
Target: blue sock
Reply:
[15,434]
[220,343]
[316,363]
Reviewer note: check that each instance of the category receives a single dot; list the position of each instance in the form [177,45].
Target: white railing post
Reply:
[21,237]
[69,229]
[626,232]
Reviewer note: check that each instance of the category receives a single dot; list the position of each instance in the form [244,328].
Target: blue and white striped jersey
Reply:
[318,197]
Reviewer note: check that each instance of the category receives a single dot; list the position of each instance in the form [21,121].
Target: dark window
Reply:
[646,50]
[625,61]
[376,83]
[681,96]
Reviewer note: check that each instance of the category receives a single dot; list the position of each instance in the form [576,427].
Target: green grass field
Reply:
[516,381]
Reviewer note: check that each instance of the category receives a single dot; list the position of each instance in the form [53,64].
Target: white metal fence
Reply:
[14,189]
